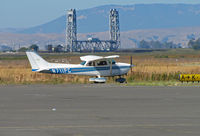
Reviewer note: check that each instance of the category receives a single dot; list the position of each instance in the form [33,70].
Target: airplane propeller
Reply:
[131,62]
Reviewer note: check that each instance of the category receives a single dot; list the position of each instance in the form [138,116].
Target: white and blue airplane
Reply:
[91,65]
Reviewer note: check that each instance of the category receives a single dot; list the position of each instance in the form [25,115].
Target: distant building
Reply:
[58,48]
[50,48]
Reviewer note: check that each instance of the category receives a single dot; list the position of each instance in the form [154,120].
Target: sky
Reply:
[28,13]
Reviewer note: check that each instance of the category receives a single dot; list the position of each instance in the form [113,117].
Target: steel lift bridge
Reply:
[92,44]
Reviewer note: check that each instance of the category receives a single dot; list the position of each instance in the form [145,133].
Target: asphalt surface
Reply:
[99,110]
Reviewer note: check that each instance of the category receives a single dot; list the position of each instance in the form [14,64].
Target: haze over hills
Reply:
[164,22]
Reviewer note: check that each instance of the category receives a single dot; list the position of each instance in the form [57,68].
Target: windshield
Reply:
[83,63]
[113,62]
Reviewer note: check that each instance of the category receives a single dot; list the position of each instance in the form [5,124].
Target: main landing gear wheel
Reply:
[121,80]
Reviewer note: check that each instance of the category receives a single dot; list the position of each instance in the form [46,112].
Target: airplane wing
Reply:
[93,57]
[90,58]
[112,57]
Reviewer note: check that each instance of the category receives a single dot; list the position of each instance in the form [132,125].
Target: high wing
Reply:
[93,57]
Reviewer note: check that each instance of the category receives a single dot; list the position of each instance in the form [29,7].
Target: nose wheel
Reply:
[98,80]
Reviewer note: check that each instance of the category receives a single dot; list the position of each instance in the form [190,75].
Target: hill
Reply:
[164,22]
[132,17]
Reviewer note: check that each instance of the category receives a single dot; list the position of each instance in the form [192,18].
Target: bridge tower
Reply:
[114,29]
[74,45]
[71,31]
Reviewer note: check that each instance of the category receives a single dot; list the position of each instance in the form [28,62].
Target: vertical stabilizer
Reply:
[37,62]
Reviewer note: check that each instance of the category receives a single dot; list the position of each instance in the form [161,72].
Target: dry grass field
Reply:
[158,66]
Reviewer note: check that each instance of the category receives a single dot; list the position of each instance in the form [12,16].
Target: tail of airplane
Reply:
[37,62]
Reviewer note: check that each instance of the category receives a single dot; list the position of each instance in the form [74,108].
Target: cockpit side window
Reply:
[102,63]
[91,63]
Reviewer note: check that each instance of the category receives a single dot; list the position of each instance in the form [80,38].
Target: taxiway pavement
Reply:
[99,110]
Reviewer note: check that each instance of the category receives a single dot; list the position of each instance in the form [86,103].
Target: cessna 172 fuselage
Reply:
[92,66]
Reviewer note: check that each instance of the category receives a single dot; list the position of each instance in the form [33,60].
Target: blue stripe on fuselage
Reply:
[34,69]
[83,69]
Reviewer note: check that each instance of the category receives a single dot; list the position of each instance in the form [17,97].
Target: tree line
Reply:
[49,48]
[195,44]
[157,45]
